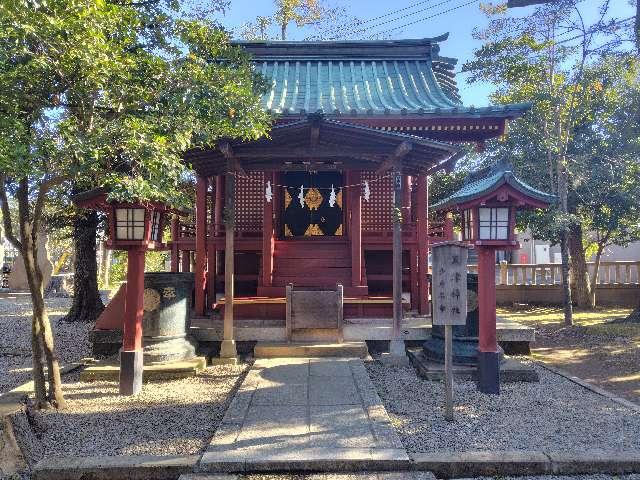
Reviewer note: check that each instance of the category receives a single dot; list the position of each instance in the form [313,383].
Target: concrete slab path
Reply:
[305,414]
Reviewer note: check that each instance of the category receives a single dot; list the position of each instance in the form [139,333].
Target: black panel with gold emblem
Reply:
[316,216]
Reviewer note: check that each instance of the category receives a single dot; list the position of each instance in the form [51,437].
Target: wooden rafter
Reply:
[227,151]
[305,152]
[398,154]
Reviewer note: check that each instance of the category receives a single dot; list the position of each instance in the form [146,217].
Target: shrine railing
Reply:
[609,273]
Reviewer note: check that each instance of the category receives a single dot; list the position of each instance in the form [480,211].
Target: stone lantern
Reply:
[135,227]
[488,203]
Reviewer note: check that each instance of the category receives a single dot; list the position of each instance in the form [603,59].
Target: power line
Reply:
[345,26]
[426,18]
[566,40]
[396,19]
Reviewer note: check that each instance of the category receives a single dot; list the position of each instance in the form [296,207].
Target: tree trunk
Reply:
[581,286]
[564,247]
[42,336]
[637,29]
[594,275]
[37,355]
[87,304]
[566,287]
[106,265]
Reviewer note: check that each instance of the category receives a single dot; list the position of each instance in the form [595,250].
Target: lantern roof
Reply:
[485,184]
[97,199]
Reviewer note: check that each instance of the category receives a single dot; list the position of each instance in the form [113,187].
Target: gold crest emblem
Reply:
[287,199]
[313,198]
[313,230]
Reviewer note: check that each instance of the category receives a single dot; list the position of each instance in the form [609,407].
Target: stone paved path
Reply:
[305,414]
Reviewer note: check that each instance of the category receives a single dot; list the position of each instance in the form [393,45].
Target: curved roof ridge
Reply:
[489,179]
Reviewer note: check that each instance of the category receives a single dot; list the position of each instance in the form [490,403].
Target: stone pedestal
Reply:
[465,337]
[167,307]
[18,276]
[397,356]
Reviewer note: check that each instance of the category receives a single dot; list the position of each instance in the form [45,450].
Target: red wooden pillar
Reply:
[354,205]
[488,353]
[267,237]
[201,245]
[131,353]
[422,225]
[175,254]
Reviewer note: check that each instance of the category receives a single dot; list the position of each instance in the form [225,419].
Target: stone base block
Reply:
[392,360]
[163,371]
[119,467]
[345,349]
[130,372]
[511,370]
[225,360]
[228,349]
[489,372]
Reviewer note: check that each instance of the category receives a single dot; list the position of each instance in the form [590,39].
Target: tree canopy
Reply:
[578,140]
[111,93]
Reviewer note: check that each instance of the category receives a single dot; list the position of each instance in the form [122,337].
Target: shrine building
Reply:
[358,124]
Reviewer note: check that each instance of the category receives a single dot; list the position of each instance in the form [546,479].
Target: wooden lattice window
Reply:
[376,213]
[249,202]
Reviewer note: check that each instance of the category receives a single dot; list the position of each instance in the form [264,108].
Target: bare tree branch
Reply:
[45,187]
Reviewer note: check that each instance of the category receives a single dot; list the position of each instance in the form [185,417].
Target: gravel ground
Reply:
[71,339]
[421,476]
[176,417]
[555,414]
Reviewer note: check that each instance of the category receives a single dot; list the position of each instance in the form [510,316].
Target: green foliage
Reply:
[91,90]
[154,261]
[584,117]
[117,269]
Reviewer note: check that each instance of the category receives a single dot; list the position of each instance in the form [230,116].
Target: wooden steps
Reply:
[310,349]
[319,263]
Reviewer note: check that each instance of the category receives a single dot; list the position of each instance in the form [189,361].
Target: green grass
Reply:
[594,321]
[554,315]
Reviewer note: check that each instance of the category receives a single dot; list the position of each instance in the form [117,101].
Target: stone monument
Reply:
[18,275]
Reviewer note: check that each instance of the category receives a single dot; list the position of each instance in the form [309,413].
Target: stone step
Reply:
[162,371]
[310,349]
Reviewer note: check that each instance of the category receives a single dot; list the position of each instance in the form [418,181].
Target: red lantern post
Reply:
[135,227]
[488,203]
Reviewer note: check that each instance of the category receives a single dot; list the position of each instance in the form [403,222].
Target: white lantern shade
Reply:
[493,223]
[129,224]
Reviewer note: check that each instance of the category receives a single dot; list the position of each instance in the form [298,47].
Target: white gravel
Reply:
[555,414]
[409,475]
[171,417]
[70,339]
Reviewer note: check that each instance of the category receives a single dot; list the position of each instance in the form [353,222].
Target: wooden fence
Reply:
[609,273]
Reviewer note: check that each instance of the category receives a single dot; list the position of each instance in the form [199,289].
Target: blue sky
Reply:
[459,23]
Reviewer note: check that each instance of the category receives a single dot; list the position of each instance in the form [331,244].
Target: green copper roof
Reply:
[486,181]
[360,78]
